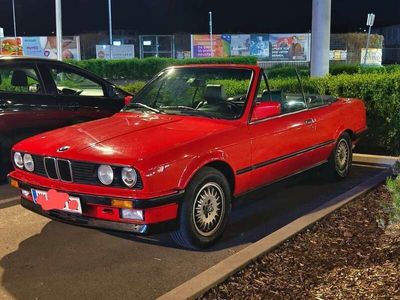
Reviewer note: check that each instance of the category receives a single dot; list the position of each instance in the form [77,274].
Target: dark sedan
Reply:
[37,95]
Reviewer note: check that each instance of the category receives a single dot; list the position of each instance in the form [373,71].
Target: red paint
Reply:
[167,150]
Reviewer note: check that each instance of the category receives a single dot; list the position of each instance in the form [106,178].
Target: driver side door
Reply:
[81,97]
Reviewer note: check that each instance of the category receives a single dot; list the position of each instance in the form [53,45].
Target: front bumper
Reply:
[159,213]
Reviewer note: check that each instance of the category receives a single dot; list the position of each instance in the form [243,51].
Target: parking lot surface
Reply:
[45,259]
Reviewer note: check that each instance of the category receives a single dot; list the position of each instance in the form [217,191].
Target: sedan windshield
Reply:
[207,92]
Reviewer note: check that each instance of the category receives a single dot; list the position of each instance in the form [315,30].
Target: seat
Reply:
[214,94]
[19,78]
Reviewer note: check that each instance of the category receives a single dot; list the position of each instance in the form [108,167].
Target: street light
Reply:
[211,34]
[110,26]
[14,21]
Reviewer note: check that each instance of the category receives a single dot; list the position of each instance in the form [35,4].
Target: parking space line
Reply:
[9,200]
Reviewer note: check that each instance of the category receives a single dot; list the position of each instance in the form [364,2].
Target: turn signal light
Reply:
[14,183]
[121,203]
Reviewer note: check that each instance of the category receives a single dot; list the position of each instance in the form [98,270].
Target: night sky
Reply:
[36,17]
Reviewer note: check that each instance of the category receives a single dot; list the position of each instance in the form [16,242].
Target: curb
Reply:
[201,283]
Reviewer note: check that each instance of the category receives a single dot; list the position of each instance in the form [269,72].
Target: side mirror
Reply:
[128,99]
[265,110]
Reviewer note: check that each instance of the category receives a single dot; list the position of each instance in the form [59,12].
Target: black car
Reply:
[37,95]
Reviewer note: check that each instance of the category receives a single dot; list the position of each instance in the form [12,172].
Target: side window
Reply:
[15,79]
[288,92]
[69,83]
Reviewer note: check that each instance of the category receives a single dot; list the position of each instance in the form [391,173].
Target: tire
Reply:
[5,159]
[205,210]
[340,161]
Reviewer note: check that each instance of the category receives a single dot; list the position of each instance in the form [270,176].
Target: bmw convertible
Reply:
[193,140]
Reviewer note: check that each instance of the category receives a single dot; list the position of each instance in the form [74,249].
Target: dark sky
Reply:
[36,17]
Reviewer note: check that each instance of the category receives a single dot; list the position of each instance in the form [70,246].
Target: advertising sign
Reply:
[201,45]
[46,46]
[259,46]
[338,55]
[374,56]
[11,46]
[240,44]
[116,52]
[289,47]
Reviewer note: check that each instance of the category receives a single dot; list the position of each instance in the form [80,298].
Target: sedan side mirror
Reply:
[265,110]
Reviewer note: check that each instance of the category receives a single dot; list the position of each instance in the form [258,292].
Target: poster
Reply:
[116,52]
[11,46]
[289,47]
[46,46]
[374,56]
[338,55]
[201,45]
[259,46]
[240,44]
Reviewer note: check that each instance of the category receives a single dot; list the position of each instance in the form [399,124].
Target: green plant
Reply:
[393,185]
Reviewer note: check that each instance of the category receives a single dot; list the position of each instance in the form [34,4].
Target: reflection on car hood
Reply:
[128,136]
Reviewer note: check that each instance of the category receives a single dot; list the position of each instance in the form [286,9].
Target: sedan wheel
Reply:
[205,211]
[341,158]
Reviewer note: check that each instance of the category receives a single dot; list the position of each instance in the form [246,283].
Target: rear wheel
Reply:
[341,158]
[5,159]
[205,210]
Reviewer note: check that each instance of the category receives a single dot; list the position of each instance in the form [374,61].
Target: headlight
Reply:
[105,174]
[28,162]
[129,176]
[19,162]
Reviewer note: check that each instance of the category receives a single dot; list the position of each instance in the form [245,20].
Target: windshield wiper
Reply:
[141,105]
[178,107]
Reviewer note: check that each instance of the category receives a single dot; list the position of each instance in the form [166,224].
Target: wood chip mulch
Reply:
[350,254]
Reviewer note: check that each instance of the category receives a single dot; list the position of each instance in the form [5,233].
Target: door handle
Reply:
[309,121]
[73,106]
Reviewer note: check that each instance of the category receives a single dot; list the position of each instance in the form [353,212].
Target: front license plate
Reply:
[52,199]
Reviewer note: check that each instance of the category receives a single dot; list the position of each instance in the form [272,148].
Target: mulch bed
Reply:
[350,254]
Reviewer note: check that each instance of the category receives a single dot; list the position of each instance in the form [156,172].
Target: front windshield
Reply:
[207,92]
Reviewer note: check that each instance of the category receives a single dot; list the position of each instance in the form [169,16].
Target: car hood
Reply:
[124,137]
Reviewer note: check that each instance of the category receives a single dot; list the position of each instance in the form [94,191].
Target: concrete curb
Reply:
[201,283]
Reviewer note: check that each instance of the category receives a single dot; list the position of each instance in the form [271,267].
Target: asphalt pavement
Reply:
[44,259]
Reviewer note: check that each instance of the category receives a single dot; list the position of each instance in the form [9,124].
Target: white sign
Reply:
[374,56]
[115,52]
[338,55]
[370,20]
[1,32]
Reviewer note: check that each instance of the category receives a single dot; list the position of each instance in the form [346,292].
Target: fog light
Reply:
[132,214]
[121,203]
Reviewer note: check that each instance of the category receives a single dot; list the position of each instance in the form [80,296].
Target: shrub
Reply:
[142,69]
[393,185]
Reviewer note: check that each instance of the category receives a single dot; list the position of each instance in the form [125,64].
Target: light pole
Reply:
[59,30]
[110,26]
[14,21]
[211,34]
[370,23]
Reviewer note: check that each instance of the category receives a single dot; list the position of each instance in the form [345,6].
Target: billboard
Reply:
[46,46]
[11,46]
[201,45]
[115,52]
[40,46]
[289,47]
[272,47]
[374,56]
[259,46]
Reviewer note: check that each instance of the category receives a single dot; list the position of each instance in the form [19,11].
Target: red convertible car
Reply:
[191,141]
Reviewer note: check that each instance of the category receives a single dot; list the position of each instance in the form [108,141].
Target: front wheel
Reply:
[341,158]
[205,210]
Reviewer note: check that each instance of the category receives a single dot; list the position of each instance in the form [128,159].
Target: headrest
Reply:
[19,78]
[214,93]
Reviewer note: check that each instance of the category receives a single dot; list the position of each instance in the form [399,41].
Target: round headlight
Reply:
[129,176]
[28,162]
[105,174]
[19,162]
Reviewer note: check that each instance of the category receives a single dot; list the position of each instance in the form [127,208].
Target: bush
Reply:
[393,185]
[143,69]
